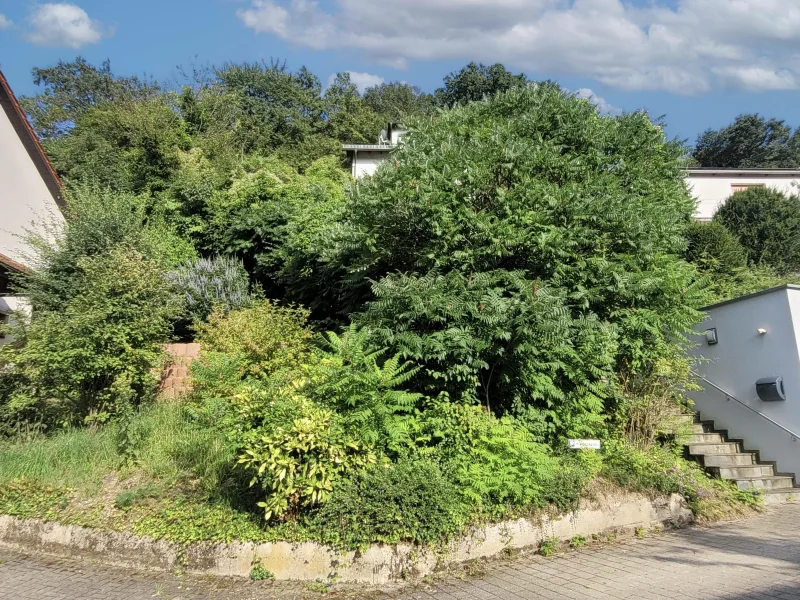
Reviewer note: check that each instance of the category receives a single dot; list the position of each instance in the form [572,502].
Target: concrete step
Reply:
[772,497]
[701,428]
[723,448]
[776,482]
[706,438]
[729,460]
[685,418]
[744,472]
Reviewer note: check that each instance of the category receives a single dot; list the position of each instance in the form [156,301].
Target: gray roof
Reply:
[787,286]
[372,147]
[714,172]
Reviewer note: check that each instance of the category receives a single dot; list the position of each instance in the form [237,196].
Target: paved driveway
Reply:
[749,560]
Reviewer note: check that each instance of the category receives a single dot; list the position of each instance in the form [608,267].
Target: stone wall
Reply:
[175,378]
[378,564]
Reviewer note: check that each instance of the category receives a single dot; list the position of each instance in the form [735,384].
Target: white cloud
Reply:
[361,80]
[63,25]
[365,80]
[683,46]
[600,102]
[756,79]
[5,22]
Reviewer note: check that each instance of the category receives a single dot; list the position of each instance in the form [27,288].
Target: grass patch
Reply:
[73,458]
[178,482]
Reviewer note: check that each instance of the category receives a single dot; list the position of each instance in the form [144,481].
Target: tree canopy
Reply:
[751,141]
[767,223]
[476,81]
[523,249]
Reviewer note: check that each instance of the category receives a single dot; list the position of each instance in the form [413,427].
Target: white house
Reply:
[365,158]
[743,341]
[30,194]
[711,187]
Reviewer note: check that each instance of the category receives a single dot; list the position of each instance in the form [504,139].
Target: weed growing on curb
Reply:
[259,572]
[548,547]
[577,541]
[318,586]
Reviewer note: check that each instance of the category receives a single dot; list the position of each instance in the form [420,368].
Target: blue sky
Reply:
[698,62]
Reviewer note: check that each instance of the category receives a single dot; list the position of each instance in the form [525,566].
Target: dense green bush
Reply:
[660,469]
[523,250]
[720,257]
[496,464]
[97,222]
[206,284]
[713,248]
[365,387]
[767,224]
[97,353]
[273,217]
[410,500]
[266,338]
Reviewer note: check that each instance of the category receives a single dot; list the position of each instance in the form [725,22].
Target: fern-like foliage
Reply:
[354,378]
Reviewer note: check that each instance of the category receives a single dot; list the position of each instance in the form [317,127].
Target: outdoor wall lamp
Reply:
[761,331]
[711,336]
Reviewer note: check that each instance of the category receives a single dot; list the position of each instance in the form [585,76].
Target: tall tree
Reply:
[350,119]
[524,260]
[475,82]
[276,110]
[751,141]
[73,88]
[396,101]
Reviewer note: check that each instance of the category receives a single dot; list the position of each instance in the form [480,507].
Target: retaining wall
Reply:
[309,561]
[175,378]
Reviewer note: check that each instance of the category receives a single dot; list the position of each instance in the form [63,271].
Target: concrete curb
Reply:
[309,561]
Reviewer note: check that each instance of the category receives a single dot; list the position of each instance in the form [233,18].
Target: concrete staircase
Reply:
[728,459]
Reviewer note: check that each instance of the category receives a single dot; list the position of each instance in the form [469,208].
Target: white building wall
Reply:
[24,197]
[712,191]
[741,357]
[366,162]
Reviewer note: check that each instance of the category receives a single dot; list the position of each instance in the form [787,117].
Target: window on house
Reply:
[743,187]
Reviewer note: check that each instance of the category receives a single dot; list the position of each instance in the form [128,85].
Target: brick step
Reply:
[723,448]
[743,471]
[740,459]
[706,438]
[776,482]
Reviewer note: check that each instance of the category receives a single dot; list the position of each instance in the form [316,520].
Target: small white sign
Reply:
[584,444]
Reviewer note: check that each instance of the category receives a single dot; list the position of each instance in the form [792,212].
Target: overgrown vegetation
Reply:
[767,223]
[386,361]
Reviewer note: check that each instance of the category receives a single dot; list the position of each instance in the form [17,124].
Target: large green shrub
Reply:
[411,500]
[713,248]
[522,249]
[266,337]
[719,256]
[272,217]
[101,349]
[98,220]
[496,464]
[767,224]
[298,463]
[363,386]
